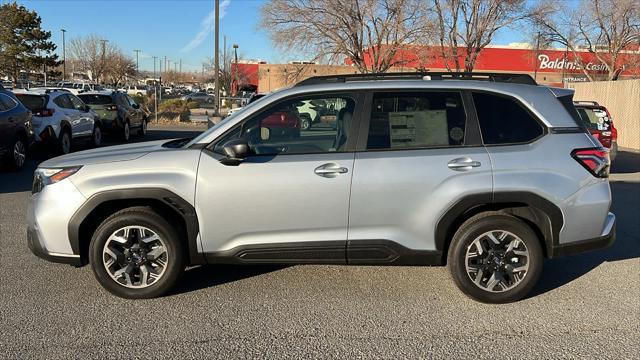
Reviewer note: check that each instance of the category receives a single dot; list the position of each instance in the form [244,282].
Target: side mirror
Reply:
[136,106]
[236,150]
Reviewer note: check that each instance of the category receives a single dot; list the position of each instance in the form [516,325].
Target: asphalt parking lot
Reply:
[586,306]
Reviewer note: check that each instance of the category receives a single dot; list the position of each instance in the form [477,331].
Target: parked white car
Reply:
[136,89]
[60,118]
[79,87]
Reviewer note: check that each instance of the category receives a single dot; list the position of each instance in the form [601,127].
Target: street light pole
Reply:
[216,61]
[64,56]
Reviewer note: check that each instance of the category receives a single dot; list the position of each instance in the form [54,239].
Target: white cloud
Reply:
[207,26]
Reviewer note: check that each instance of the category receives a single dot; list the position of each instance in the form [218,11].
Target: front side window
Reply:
[416,120]
[300,126]
[77,103]
[504,121]
[64,102]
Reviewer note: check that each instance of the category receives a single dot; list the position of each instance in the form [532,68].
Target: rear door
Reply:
[418,154]
[70,114]
[85,117]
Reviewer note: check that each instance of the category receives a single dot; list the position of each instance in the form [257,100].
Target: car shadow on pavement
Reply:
[201,277]
[560,271]
[626,162]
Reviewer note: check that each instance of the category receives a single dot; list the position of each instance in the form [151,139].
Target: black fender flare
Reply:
[181,207]
[526,205]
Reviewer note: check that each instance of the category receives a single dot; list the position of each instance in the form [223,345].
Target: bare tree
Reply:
[87,54]
[465,27]
[368,32]
[119,68]
[608,29]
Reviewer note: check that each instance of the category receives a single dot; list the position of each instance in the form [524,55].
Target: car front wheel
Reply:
[126,131]
[495,258]
[96,137]
[136,254]
[143,128]
[16,158]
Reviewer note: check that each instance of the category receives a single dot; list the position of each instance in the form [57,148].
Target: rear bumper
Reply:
[36,247]
[606,239]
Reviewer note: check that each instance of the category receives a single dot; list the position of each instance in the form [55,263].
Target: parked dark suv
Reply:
[15,130]
[118,111]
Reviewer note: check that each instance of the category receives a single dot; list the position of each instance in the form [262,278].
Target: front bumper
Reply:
[36,247]
[606,239]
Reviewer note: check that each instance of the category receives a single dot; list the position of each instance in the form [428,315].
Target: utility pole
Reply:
[535,69]
[64,56]
[181,66]
[165,63]
[137,63]
[235,72]
[104,43]
[216,76]
[154,67]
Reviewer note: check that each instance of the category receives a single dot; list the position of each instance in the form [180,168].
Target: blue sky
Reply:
[177,29]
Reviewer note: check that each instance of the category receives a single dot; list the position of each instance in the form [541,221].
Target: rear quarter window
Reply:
[504,120]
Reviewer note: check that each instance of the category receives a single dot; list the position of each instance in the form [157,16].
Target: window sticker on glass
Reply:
[418,128]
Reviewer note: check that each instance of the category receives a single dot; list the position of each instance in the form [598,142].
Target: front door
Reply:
[289,200]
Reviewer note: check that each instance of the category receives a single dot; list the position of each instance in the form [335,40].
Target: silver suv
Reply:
[489,177]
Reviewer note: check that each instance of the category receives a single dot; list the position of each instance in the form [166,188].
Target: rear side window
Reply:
[96,99]
[504,120]
[33,102]
[416,120]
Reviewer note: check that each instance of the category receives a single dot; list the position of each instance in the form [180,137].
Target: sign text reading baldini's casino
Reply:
[562,63]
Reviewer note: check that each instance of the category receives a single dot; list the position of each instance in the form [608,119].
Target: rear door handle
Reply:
[330,170]
[463,164]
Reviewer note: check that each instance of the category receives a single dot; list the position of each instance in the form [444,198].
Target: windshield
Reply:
[227,119]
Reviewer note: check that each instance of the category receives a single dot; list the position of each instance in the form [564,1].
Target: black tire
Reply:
[126,131]
[474,228]
[96,136]
[143,128]
[65,143]
[140,216]
[305,123]
[17,155]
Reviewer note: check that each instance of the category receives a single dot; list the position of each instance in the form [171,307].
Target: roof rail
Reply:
[482,76]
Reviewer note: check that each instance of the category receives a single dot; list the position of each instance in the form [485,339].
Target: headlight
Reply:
[43,177]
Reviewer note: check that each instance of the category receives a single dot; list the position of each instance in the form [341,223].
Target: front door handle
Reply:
[463,164]
[330,170]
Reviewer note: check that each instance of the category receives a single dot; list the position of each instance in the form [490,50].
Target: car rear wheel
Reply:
[18,155]
[495,258]
[136,254]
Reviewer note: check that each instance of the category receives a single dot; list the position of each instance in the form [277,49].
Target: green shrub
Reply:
[193,105]
[139,99]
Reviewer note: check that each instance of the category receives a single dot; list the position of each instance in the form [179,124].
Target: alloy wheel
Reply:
[19,153]
[126,131]
[135,257]
[497,261]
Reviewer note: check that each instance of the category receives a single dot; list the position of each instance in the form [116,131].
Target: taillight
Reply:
[44,112]
[595,160]
[111,108]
